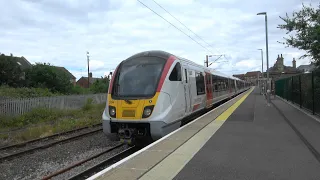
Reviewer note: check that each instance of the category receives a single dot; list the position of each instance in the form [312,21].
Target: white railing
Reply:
[11,107]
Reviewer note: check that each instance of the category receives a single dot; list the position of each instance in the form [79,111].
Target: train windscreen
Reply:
[138,77]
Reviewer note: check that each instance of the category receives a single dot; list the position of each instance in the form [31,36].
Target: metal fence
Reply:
[303,90]
[11,107]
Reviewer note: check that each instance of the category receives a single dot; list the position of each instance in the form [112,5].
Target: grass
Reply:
[30,92]
[24,92]
[44,122]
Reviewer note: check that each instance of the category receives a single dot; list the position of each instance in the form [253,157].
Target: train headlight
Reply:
[147,111]
[112,111]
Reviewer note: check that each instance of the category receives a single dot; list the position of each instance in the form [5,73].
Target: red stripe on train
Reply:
[165,72]
[112,79]
[195,107]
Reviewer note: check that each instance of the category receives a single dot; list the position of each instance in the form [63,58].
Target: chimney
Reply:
[282,63]
[90,74]
[11,54]
[294,63]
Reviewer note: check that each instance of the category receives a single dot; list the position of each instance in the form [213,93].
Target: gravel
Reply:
[88,164]
[44,162]
[45,141]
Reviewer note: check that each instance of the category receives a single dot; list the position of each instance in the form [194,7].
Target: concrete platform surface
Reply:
[138,164]
[257,142]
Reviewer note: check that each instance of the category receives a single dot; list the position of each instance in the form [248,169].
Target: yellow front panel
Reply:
[132,109]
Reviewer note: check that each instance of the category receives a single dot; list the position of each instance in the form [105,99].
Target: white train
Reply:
[152,92]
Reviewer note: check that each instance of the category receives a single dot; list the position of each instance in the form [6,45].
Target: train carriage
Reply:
[151,92]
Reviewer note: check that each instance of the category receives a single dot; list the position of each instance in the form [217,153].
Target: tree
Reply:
[100,85]
[47,76]
[10,72]
[305,25]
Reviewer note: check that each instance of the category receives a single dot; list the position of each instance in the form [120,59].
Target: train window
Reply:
[215,82]
[186,75]
[176,73]
[227,83]
[200,83]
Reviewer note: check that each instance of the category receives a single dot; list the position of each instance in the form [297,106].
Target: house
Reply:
[279,70]
[307,68]
[69,74]
[251,76]
[83,81]
[21,61]
[240,76]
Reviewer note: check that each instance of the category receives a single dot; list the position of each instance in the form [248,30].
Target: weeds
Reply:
[44,122]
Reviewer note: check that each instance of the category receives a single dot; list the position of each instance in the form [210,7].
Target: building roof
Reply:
[287,69]
[238,74]
[252,73]
[21,61]
[71,76]
[309,67]
[91,80]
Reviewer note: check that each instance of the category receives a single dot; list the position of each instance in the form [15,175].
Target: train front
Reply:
[131,113]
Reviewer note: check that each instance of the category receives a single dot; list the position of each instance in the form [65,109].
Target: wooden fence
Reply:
[12,107]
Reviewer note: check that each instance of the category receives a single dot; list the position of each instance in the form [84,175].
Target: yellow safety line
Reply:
[225,115]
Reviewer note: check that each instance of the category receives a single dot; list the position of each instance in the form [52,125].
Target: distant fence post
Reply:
[292,90]
[300,102]
[312,80]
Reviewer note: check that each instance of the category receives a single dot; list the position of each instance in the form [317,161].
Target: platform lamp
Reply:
[267,54]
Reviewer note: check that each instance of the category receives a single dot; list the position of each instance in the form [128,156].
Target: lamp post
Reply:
[262,69]
[88,69]
[267,54]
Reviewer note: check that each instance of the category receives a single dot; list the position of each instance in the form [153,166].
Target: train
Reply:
[152,92]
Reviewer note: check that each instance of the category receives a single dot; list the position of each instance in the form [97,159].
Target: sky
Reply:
[60,32]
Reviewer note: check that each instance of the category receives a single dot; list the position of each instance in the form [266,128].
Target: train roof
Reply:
[166,55]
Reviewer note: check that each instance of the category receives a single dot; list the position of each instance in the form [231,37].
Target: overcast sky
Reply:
[62,31]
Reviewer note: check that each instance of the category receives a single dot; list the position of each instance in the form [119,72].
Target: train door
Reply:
[187,89]
[208,88]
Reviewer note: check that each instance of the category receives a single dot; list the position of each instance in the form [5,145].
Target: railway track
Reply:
[97,167]
[28,147]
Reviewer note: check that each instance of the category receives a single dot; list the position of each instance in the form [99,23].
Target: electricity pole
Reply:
[207,61]
[88,69]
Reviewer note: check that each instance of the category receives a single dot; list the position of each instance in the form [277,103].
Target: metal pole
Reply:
[207,61]
[88,68]
[300,91]
[292,90]
[259,82]
[268,83]
[312,92]
[262,62]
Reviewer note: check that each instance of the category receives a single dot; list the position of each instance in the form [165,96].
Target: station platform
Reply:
[245,138]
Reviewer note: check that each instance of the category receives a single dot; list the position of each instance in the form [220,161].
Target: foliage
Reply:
[88,104]
[100,86]
[80,90]
[305,25]
[47,76]
[10,72]
[46,122]
[41,115]
[24,92]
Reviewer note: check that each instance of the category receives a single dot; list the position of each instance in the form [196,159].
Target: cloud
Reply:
[62,31]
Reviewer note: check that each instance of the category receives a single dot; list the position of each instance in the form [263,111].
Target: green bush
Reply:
[24,92]
[47,76]
[80,90]
[88,105]
[100,86]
